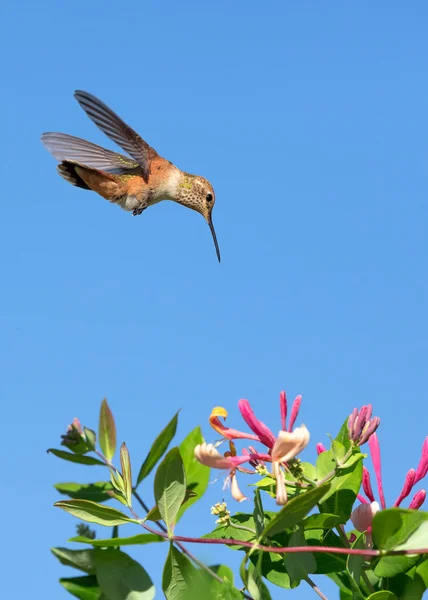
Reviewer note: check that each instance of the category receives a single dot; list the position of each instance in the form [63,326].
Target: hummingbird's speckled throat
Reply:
[133,182]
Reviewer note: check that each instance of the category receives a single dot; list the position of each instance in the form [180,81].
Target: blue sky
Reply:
[310,120]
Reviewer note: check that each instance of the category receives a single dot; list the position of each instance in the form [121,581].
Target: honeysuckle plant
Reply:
[296,521]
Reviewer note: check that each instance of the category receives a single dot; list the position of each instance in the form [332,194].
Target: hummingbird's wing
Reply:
[117,130]
[67,147]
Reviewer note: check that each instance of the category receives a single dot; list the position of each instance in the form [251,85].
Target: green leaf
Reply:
[125,462]
[117,481]
[273,569]
[383,595]
[393,526]
[252,578]
[84,560]
[197,475]
[121,577]
[177,575]
[158,449]
[91,438]
[299,566]
[391,566]
[229,531]
[118,496]
[107,431]
[327,563]
[170,487]
[354,566]
[92,512]
[259,517]
[224,591]
[115,542]
[418,539]
[85,491]
[343,435]
[338,451]
[81,459]
[320,521]
[154,514]
[344,485]
[296,509]
[85,588]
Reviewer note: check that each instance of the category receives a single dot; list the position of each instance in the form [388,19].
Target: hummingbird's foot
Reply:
[138,211]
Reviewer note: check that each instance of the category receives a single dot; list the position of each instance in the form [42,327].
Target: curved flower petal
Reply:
[281,490]
[234,488]
[208,455]
[227,432]
[264,434]
[289,443]
[294,412]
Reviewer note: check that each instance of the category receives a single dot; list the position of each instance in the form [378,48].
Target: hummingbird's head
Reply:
[197,193]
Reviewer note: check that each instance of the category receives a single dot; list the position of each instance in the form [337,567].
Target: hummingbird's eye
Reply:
[209,197]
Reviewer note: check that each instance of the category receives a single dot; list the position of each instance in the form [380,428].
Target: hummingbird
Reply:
[133,182]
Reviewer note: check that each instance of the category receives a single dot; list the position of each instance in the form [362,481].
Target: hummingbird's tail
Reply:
[67,170]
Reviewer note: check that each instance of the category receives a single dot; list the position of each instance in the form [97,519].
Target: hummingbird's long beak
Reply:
[210,223]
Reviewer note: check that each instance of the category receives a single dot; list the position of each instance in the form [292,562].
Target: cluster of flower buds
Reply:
[220,510]
[361,426]
[279,451]
[77,439]
[74,435]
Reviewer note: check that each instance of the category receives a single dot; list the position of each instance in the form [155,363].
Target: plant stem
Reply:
[315,587]
[368,582]
[164,530]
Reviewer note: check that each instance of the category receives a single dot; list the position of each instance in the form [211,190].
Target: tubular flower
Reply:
[418,500]
[227,432]
[279,450]
[362,516]
[422,469]
[320,448]
[289,444]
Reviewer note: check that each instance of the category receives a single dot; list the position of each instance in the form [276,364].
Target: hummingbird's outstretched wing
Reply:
[117,130]
[67,147]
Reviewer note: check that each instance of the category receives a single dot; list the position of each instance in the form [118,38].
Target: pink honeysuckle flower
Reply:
[280,449]
[283,409]
[287,446]
[227,432]
[294,412]
[320,448]
[375,452]
[263,433]
[208,455]
[281,490]
[290,443]
[367,486]
[407,487]
[422,469]
[234,488]
[362,516]
[361,426]
[418,500]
